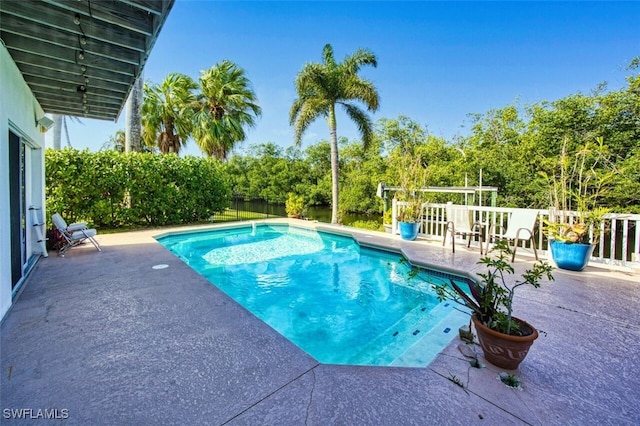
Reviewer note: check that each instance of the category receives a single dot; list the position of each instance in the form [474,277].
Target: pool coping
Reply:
[114,342]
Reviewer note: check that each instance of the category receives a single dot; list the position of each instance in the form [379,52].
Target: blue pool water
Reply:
[338,301]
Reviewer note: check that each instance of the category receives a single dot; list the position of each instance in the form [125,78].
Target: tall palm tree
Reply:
[133,122]
[60,122]
[225,106]
[320,88]
[166,118]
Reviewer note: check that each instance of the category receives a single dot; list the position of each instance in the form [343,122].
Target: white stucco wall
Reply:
[18,112]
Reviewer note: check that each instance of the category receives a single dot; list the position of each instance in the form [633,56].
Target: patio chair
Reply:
[77,226]
[521,221]
[459,223]
[74,234]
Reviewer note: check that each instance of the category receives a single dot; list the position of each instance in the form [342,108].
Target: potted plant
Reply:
[409,214]
[572,244]
[409,217]
[580,183]
[505,339]
[294,206]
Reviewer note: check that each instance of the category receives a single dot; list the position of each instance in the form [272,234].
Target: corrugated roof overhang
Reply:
[81,57]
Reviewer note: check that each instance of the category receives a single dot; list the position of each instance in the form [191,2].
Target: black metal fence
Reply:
[243,208]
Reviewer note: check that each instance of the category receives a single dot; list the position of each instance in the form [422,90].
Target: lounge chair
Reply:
[74,234]
[521,221]
[459,223]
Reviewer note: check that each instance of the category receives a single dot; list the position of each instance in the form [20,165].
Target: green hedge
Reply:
[112,189]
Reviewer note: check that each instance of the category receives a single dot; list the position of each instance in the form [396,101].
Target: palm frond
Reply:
[362,121]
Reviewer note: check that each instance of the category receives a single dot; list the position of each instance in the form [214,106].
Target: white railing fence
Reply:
[619,242]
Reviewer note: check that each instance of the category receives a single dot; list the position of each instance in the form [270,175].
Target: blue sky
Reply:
[437,61]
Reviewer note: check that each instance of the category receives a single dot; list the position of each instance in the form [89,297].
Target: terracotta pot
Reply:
[294,216]
[504,350]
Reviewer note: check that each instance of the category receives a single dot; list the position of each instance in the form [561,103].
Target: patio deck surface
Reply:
[113,341]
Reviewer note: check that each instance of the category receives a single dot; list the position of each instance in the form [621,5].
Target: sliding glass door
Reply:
[17,207]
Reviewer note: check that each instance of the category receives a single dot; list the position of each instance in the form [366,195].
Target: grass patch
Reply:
[230,215]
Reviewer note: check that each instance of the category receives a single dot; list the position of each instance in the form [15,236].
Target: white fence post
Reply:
[394,217]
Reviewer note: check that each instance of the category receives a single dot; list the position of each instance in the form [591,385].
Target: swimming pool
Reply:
[338,301]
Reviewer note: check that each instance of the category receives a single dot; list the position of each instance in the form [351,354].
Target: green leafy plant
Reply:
[112,190]
[294,206]
[582,178]
[491,299]
[411,212]
[585,230]
[412,179]
[387,217]
[510,380]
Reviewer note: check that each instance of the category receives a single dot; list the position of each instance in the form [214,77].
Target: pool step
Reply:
[394,341]
[422,352]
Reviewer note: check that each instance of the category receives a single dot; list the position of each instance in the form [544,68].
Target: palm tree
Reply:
[320,87]
[226,105]
[166,117]
[133,122]
[59,123]
[117,142]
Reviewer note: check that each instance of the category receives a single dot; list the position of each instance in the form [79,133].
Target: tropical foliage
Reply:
[322,86]
[165,118]
[226,105]
[111,189]
[491,299]
[516,147]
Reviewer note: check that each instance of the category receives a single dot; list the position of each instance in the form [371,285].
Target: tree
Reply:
[165,116]
[320,87]
[226,105]
[60,122]
[116,142]
[133,128]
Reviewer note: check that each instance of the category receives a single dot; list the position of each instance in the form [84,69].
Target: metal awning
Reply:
[81,57]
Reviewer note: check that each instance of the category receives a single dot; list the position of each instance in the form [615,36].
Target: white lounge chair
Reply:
[520,226]
[74,234]
[459,223]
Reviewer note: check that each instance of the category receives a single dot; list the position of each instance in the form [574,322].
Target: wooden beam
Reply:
[126,73]
[31,13]
[112,12]
[24,34]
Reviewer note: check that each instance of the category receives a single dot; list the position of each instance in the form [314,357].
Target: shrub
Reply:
[112,189]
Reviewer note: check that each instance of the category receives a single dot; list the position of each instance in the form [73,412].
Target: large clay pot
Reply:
[504,350]
[409,230]
[571,256]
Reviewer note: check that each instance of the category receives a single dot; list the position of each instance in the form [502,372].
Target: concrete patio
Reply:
[113,341]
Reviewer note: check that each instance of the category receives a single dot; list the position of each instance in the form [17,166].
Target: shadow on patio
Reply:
[113,341]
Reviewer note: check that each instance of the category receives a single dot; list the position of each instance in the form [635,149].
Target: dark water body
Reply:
[323,214]
[319,213]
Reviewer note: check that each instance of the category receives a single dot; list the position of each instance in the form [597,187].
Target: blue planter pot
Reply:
[571,256]
[409,230]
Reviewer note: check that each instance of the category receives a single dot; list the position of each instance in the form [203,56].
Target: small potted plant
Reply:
[505,339]
[572,244]
[572,236]
[294,206]
[410,216]
[409,213]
